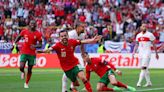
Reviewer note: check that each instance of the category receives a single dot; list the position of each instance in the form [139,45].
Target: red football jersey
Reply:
[66,54]
[99,67]
[30,38]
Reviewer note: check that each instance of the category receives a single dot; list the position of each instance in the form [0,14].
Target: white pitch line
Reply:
[36,73]
[150,89]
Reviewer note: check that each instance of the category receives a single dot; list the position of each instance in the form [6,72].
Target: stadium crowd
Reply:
[116,20]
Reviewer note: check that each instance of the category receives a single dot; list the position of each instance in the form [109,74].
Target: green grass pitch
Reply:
[49,80]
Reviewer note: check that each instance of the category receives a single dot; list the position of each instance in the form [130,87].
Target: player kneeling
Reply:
[105,71]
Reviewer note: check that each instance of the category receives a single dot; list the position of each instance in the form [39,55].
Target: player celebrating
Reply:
[104,70]
[145,39]
[69,63]
[78,34]
[31,37]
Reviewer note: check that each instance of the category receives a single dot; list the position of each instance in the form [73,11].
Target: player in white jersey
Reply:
[77,33]
[144,41]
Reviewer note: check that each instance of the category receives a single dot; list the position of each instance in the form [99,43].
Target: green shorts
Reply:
[30,58]
[72,74]
[105,78]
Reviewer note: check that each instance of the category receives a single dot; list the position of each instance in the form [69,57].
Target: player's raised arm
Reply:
[93,40]
[17,38]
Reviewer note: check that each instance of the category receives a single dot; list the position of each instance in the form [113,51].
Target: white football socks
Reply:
[141,76]
[64,83]
[147,76]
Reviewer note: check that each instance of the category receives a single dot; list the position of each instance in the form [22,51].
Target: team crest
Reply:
[34,37]
[71,47]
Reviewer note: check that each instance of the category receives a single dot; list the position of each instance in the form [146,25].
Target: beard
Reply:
[82,31]
[65,41]
[143,31]
[33,28]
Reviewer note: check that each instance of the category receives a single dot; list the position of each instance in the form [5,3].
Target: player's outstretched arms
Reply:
[93,40]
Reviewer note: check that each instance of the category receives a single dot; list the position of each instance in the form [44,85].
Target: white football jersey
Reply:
[73,35]
[145,43]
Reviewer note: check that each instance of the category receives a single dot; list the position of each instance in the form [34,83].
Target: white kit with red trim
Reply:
[145,43]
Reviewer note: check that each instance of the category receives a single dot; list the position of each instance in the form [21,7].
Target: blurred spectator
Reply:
[101,48]
[116,20]
[7,12]
[22,22]
[2,39]
[161,37]
[1,30]
[20,11]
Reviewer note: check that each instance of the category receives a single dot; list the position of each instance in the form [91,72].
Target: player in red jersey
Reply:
[69,63]
[31,37]
[105,71]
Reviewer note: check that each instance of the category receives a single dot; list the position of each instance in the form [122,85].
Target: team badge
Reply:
[34,37]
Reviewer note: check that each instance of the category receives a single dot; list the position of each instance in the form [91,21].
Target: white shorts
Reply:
[144,62]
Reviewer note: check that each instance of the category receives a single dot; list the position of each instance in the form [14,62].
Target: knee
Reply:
[21,68]
[99,89]
[76,83]
[144,68]
[84,80]
[29,70]
[64,78]
[114,83]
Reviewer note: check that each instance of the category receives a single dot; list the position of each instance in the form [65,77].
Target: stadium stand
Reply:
[116,20]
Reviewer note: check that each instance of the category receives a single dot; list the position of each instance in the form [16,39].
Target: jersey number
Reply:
[63,54]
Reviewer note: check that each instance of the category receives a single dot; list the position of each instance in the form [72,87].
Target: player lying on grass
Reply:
[105,71]
[69,63]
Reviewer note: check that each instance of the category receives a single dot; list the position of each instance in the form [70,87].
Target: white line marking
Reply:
[141,90]
[36,73]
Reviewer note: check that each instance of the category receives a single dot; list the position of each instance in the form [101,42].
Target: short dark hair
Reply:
[85,53]
[79,24]
[63,31]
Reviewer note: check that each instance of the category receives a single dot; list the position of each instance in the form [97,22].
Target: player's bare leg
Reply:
[22,66]
[85,81]
[103,87]
[29,73]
